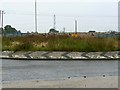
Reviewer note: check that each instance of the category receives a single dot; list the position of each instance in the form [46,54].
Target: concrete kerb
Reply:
[46,55]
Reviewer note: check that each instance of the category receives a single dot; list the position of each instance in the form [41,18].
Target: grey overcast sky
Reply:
[98,15]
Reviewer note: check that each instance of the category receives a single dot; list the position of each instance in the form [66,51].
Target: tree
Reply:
[9,29]
[52,30]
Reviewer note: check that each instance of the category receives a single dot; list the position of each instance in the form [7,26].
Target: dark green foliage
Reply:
[53,31]
[9,29]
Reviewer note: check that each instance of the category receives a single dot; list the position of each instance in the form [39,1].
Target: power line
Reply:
[61,15]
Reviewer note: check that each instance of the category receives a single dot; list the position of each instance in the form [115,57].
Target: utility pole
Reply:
[1,21]
[35,17]
[75,26]
[54,22]
[1,18]
[64,29]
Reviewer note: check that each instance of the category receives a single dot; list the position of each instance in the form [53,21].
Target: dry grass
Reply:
[60,43]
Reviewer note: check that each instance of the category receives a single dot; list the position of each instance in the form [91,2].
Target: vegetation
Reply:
[52,30]
[9,30]
[60,43]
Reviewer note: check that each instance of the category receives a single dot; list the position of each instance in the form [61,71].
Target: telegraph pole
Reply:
[1,21]
[1,18]
[54,22]
[64,29]
[35,17]
[75,26]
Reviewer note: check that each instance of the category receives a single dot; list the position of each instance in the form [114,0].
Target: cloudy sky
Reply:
[99,15]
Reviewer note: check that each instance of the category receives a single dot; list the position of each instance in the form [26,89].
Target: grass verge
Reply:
[60,43]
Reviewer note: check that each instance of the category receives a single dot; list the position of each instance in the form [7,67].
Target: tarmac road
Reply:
[15,70]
